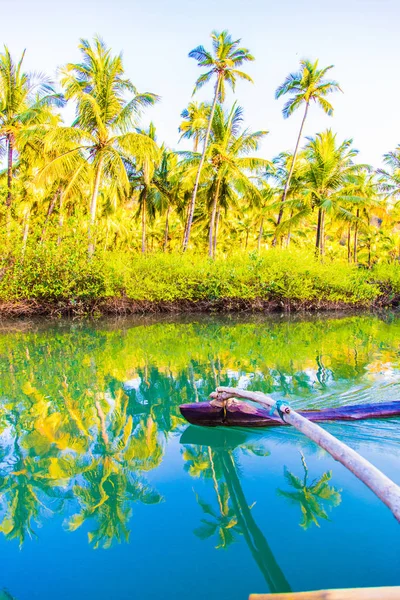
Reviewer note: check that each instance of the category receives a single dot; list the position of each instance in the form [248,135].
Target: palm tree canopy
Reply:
[99,87]
[24,97]
[194,120]
[307,84]
[329,164]
[223,61]
[102,131]
[389,178]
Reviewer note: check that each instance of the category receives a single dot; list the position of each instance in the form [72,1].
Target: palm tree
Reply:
[222,63]
[361,192]
[295,199]
[389,179]
[23,96]
[329,166]
[228,167]
[104,119]
[142,180]
[228,152]
[194,124]
[305,86]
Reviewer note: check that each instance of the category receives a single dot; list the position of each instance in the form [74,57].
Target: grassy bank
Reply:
[61,279]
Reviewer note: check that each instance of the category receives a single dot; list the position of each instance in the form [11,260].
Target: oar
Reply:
[379,483]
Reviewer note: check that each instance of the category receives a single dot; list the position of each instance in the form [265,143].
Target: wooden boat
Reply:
[238,413]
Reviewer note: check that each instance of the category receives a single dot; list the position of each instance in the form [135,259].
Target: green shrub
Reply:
[64,273]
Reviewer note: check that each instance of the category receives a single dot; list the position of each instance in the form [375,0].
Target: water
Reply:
[105,492]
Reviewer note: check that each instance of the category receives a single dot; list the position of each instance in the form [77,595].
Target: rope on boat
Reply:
[282,407]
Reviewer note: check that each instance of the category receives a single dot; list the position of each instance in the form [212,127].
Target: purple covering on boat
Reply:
[244,414]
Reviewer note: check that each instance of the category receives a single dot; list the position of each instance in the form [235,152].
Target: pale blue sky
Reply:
[360,37]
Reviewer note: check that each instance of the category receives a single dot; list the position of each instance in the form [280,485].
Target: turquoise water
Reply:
[105,491]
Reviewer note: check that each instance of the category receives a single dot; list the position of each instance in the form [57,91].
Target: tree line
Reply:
[105,180]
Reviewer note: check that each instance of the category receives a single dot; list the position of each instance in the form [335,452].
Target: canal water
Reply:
[107,493]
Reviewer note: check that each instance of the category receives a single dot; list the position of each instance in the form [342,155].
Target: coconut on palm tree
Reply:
[305,86]
[222,65]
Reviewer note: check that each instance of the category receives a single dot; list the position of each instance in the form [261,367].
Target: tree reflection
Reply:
[89,453]
[234,516]
[314,498]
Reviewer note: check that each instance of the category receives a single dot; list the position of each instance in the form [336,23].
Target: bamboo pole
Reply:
[379,483]
[379,593]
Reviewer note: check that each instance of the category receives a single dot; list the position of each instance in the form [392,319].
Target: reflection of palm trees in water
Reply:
[234,519]
[99,466]
[27,482]
[313,498]
[112,483]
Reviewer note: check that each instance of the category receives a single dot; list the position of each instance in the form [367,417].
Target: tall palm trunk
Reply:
[203,156]
[356,237]
[289,235]
[166,229]
[93,204]
[60,218]
[286,188]
[144,201]
[216,230]
[319,241]
[26,230]
[50,210]
[9,181]
[212,220]
[349,244]
[369,253]
[322,245]
[260,234]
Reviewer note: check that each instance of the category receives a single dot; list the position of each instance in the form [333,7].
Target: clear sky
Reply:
[360,37]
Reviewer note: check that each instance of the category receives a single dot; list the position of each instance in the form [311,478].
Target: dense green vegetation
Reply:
[119,282]
[80,203]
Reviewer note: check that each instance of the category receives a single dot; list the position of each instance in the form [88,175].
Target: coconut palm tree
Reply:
[228,152]
[103,131]
[228,167]
[222,63]
[23,96]
[305,86]
[141,177]
[389,179]
[194,122]
[329,166]
[296,199]
[361,194]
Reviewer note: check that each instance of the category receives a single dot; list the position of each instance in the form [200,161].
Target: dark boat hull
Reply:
[243,414]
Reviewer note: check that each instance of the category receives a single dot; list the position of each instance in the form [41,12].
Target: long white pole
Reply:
[379,483]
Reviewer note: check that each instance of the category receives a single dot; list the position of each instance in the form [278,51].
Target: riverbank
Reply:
[49,281]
